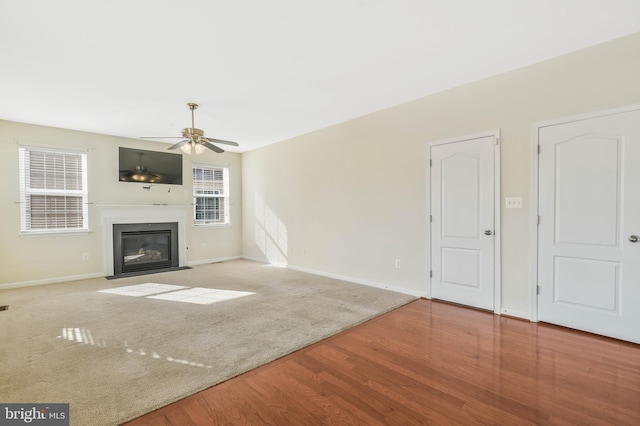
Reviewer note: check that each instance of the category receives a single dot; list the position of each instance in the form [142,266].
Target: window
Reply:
[53,190]
[211,195]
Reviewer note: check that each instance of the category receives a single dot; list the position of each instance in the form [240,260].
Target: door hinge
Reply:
[430,163]
[538,149]
[430,274]
[496,142]
[537,289]
[430,218]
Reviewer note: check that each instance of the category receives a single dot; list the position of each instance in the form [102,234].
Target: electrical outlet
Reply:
[398,263]
[85,256]
[513,202]
[204,245]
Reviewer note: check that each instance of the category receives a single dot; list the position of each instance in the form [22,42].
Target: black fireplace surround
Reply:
[144,247]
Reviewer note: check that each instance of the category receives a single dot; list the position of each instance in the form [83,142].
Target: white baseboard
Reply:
[517,314]
[357,281]
[96,275]
[216,260]
[509,312]
[341,277]
[52,280]
[255,259]
[223,259]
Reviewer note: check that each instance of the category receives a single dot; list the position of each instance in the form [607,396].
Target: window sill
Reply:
[211,225]
[56,233]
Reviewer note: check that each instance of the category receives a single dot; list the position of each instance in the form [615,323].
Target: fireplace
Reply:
[139,214]
[144,247]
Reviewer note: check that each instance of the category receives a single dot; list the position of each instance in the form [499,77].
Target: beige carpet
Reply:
[114,357]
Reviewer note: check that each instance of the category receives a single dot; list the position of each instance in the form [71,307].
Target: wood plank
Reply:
[430,362]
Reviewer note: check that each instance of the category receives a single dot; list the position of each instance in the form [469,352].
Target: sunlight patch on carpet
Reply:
[201,296]
[155,355]
[197,295]
[140,290]
[80,335]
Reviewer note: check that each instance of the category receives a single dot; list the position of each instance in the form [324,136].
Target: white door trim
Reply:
[497,258]
[535,136]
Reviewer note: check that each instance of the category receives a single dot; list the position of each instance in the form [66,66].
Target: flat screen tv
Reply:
[139,165]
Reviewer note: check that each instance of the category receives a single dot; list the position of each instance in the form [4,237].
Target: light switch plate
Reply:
[513,202]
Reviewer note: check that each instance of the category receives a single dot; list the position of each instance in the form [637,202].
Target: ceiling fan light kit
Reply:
[189,148]
[194,140]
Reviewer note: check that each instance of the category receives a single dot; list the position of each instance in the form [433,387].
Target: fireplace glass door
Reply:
[144,249]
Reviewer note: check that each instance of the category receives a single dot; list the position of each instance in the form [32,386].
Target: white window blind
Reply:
[53,190]
[210,195]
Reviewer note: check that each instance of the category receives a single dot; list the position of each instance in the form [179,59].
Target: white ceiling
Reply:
[264,71]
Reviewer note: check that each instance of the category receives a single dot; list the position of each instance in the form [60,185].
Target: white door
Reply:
[589,208]
[463,222]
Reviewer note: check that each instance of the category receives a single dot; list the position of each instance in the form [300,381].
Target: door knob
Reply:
[634,238]
[489,232]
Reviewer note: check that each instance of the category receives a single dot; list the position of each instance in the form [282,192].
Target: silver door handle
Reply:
[489,232]
[634,238]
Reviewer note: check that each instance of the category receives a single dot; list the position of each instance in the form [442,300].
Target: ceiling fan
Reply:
[193,140]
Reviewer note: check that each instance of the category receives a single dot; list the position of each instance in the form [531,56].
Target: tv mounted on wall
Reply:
[139,165]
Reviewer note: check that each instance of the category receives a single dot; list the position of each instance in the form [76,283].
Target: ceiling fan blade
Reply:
[179,144]
[213,147]
[222,141]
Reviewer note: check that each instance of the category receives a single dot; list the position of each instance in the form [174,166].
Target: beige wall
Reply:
[36,259]
[350,199]
[343,201]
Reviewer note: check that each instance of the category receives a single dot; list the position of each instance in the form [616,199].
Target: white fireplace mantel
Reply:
[111,214]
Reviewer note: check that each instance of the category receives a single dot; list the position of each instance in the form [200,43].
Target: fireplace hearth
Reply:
[140,248]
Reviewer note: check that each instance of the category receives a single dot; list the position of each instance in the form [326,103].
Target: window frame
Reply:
[222,198]
[26,191]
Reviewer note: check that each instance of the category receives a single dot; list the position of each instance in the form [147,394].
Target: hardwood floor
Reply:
[431,363]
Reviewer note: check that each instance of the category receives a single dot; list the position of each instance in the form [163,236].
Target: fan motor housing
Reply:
[190,131]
